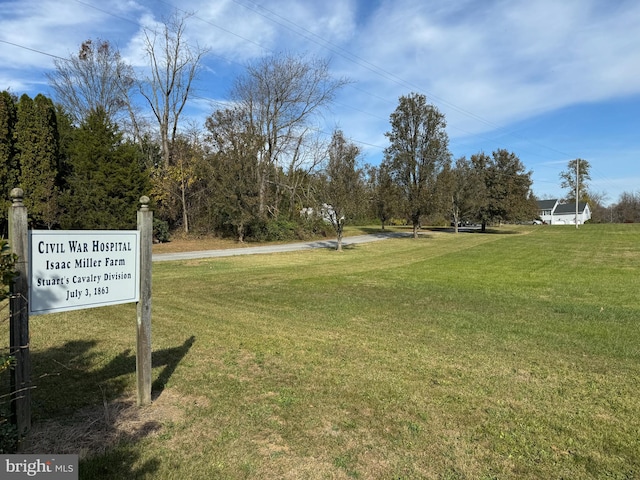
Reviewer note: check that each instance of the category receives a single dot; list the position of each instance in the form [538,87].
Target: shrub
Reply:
[271,230]
[160,230]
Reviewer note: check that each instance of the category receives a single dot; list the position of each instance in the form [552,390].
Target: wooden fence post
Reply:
[19,316]
[143,354]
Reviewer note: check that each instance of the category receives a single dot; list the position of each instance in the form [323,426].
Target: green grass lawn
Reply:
[512,354]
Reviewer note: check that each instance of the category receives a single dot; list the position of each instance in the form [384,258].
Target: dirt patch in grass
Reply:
[94,430]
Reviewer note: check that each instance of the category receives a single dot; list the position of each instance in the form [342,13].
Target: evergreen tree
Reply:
[8,159]
[66,131]
[106,178]
[36,143]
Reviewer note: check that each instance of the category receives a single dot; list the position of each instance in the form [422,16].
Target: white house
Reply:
[552,212]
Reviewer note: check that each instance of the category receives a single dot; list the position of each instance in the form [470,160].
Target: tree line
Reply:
[258,169]
[256,174]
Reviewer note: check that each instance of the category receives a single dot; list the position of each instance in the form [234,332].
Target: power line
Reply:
[349,56]
[107,12]
[283,22]
[208,22]
[33,50]
[307,34]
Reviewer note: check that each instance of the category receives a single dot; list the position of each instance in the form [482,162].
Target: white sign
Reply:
[76,269]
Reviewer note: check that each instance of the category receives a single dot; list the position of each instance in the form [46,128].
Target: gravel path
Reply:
[287,247]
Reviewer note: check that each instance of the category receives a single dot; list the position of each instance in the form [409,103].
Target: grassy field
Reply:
[508,355]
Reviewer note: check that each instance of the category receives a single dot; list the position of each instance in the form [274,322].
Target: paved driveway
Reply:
[287,247]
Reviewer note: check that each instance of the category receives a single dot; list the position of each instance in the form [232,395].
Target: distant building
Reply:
[553,212]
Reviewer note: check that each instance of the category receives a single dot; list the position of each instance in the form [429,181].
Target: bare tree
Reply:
[304,161]
[94,78]
[174,65]
[627,209]
[344,186]
[281,94]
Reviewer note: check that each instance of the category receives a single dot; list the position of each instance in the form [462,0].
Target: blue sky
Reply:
[548,80]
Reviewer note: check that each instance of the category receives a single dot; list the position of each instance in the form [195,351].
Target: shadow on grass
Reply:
[495,231]
[66,378]
[118,464]
[388,229]
[170,358]
[373,230]
[82,407]
[478,230]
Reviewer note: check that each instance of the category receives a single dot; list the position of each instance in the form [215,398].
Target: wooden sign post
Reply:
[19,317]
[143,355]
[62,270]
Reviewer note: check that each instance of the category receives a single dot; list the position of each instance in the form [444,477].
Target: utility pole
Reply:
[577,187]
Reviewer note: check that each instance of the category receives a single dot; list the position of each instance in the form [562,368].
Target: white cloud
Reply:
[485,63]
[504,61]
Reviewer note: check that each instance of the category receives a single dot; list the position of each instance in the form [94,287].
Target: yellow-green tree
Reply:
[576,177]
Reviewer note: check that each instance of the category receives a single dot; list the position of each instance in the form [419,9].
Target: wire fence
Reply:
[7,429]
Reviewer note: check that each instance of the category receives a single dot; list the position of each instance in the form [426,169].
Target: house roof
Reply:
[570,208]
[547,204]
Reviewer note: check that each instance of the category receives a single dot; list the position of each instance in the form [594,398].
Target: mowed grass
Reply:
[512,354]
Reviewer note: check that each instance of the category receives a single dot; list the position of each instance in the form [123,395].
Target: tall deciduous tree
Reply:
[344,186]
[37,148]
[507,192]
[174,65]
[280,95]
[304,162]
[577,175]
[417,153]
[233,169]
[106,178]
[95,78]
[174,186]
